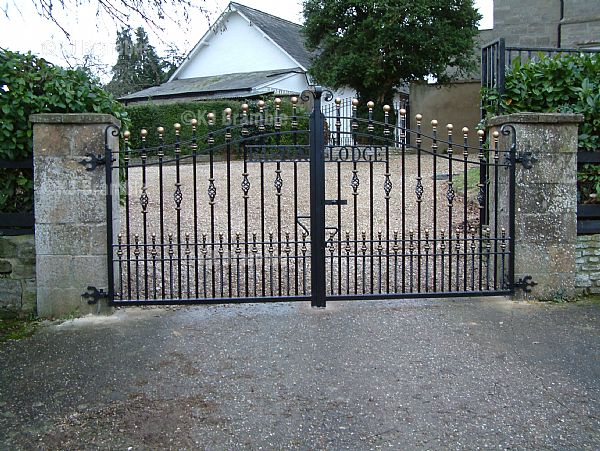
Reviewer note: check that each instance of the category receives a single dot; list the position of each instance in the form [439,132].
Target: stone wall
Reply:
[17,275]
[70,210]
[587,258]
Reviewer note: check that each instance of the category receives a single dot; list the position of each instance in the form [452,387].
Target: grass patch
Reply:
[17,328]
[472,180]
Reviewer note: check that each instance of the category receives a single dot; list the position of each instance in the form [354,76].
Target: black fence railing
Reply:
[495,58]
[16,223]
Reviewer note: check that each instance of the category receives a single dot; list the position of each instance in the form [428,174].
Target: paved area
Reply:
[450,374]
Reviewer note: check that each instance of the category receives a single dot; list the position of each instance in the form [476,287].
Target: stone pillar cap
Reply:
[74,118]
[536,118]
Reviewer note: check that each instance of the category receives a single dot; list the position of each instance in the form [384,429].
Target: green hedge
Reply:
[151,116]
[29,85]
[568,83]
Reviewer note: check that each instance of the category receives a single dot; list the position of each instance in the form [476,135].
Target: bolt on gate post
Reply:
[317,201]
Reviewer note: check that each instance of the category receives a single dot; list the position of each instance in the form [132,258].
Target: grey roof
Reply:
[227,83]
[286,34]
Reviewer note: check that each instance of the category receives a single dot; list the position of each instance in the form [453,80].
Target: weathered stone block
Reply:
[71,239]
[29,290]
[23,268]
[583,281]
[10,294]
[8,248]
[5,267]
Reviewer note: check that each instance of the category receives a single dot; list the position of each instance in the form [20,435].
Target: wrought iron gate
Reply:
[277,207]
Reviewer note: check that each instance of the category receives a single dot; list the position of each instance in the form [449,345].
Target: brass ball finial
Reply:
[419,117]
[245,107]
[355,102]
[370,104]
[480,133]
[387,108]
[160,130]
[450,127]
[294,100]
[194,122]
[261,103]
[402,111]
[227,111]
[143,132]
[126,134]
[338,101]
[496,134]
[277,101]
[434,123]
[210,116]
[465,130]
[177,126]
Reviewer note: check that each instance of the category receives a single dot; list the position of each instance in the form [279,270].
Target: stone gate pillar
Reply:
[70,210]
[545,200]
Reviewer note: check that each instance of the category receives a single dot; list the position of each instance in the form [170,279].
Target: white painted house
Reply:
[246,53]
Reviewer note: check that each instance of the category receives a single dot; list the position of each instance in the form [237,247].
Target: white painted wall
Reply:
[240,47]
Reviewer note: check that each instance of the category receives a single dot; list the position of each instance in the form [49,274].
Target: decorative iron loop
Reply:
[245,184]
[144,200]
[212,191]
[450,195]
[387,185]
[355,182]
[317,93]
[278,182]
[178,196]
[419,189]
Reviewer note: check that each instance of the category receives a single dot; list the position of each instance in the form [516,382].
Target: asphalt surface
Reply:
[427,374]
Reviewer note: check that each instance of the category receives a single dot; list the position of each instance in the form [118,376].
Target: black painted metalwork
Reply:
[275,207]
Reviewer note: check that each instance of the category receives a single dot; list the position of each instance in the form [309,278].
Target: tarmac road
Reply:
[416,374]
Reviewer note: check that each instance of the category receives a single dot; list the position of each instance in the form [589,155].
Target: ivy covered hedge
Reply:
[151,116]
[567,83]
[29,85]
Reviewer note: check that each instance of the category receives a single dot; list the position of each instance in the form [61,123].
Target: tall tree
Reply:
[138,65]
[124,75]
[374,46]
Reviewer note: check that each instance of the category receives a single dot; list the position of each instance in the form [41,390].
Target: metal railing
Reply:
[16,223]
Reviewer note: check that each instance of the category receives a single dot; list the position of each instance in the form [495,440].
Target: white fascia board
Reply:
[277,79]
[271,40]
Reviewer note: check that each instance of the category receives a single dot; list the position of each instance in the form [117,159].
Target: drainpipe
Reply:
[562,16]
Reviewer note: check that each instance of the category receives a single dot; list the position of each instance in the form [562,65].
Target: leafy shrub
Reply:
[29,85]
[567,83]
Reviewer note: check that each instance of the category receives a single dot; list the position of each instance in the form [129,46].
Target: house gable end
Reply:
[234,45]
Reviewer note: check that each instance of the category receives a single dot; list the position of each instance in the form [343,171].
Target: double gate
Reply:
[278,205]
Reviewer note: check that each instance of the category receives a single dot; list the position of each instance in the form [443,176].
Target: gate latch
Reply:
[525,283]
[93,295]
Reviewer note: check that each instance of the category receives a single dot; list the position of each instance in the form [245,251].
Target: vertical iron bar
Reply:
[465,131]
[108,158]
[434,148]
[317,203]
[211,200]
[194,148]
[127,211]
[229,231]
[419,193]
[161,154]
[450,196]
[178,198]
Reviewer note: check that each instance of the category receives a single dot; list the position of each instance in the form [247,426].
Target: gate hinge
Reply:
[525,158]
[525,283]
[93,161]
[93,295]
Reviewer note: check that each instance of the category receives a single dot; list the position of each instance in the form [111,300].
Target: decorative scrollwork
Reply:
[144,200]
[245,185]
[450,195]
[278,182]
[355,182]
[178,196]
[212,191]
[317,93]
[419,189]
[387,186]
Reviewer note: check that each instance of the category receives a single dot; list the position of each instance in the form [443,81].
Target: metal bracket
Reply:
[93,161]
[526,159]
[93,295]
[525,283]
